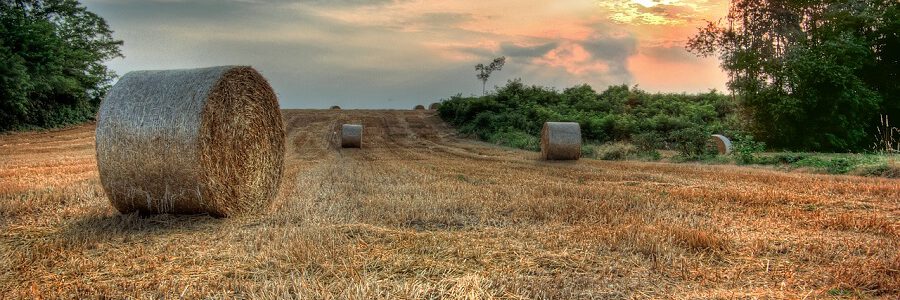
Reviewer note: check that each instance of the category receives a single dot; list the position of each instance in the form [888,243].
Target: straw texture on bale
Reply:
[434,106]
[351,136]
[561,141]
[335,107]
[723,144]
[419,107]
[191,141]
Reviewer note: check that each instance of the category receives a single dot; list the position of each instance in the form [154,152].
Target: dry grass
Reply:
[420,214]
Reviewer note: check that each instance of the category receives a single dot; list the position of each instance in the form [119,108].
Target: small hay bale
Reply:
[191,141]
[434,106]
[561,141]
[351,136]
[419,107]
[723,144]
[335,107]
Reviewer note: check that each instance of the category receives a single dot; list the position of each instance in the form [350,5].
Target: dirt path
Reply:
[420,213]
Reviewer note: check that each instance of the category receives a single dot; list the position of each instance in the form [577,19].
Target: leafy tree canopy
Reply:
[51,63]
[812,74]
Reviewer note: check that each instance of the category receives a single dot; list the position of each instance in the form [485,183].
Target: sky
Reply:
[399,53]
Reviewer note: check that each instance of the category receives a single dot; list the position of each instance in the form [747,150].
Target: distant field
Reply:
[419,213]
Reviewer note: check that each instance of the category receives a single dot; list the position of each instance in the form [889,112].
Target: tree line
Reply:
[810,74]
[51,63]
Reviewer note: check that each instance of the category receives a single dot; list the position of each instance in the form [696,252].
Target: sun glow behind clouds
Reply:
[646,3]
[662,12]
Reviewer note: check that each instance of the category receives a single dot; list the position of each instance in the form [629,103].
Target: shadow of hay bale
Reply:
[128,228]
[115,225]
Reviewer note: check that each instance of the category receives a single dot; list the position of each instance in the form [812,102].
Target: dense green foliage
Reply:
[812,74]
[51,63]
[515,113]
[846,163]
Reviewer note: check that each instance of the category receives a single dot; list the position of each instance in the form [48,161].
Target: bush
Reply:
[647,141]
[888,170]
[516,139]
[616,151]
[837,165]
[690,142]
[588,151]
[745,149]
[789,158]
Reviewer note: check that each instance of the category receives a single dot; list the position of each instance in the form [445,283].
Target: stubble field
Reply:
[420,213]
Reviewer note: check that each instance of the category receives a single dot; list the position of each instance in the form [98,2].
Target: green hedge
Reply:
[514,114]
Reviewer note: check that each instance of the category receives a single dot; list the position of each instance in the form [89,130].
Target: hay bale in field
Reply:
[561,141]
[191,141]
[434,106]
[419,107]
[335,107]
[351,136]
[723,144]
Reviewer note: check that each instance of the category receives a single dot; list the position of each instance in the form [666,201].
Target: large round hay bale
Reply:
[723,144]
[434,106]
[561,141]
[351,136]
[191,141]
[419,107]
[335,107]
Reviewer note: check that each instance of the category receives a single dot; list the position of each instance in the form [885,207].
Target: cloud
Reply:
[440,20]
[383,53]
[657,12]
[514,50]
[673,53]
[343,3]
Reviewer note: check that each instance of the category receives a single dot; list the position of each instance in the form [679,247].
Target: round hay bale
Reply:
[723,144]
[351,136]
[191,141]
[335,107]
[419,107]
[561,141]
[434,106]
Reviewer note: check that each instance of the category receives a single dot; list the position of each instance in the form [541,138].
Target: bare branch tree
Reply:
[484,72]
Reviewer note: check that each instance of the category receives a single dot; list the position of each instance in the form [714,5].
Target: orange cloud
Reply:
[574,59]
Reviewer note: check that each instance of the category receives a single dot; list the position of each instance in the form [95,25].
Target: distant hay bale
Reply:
[434,106]
[191,141]
[419,107]
[561,141]
[723,144]
[351,136]
[335,107]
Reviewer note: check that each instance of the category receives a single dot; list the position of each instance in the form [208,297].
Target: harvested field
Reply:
[419,213]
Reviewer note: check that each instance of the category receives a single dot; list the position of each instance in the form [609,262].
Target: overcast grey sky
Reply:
[396,54]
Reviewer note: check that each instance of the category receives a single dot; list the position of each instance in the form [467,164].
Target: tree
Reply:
[51,63]
[811,74]
[484,72]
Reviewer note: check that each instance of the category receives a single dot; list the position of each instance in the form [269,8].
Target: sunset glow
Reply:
[385,53]
[646,3]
